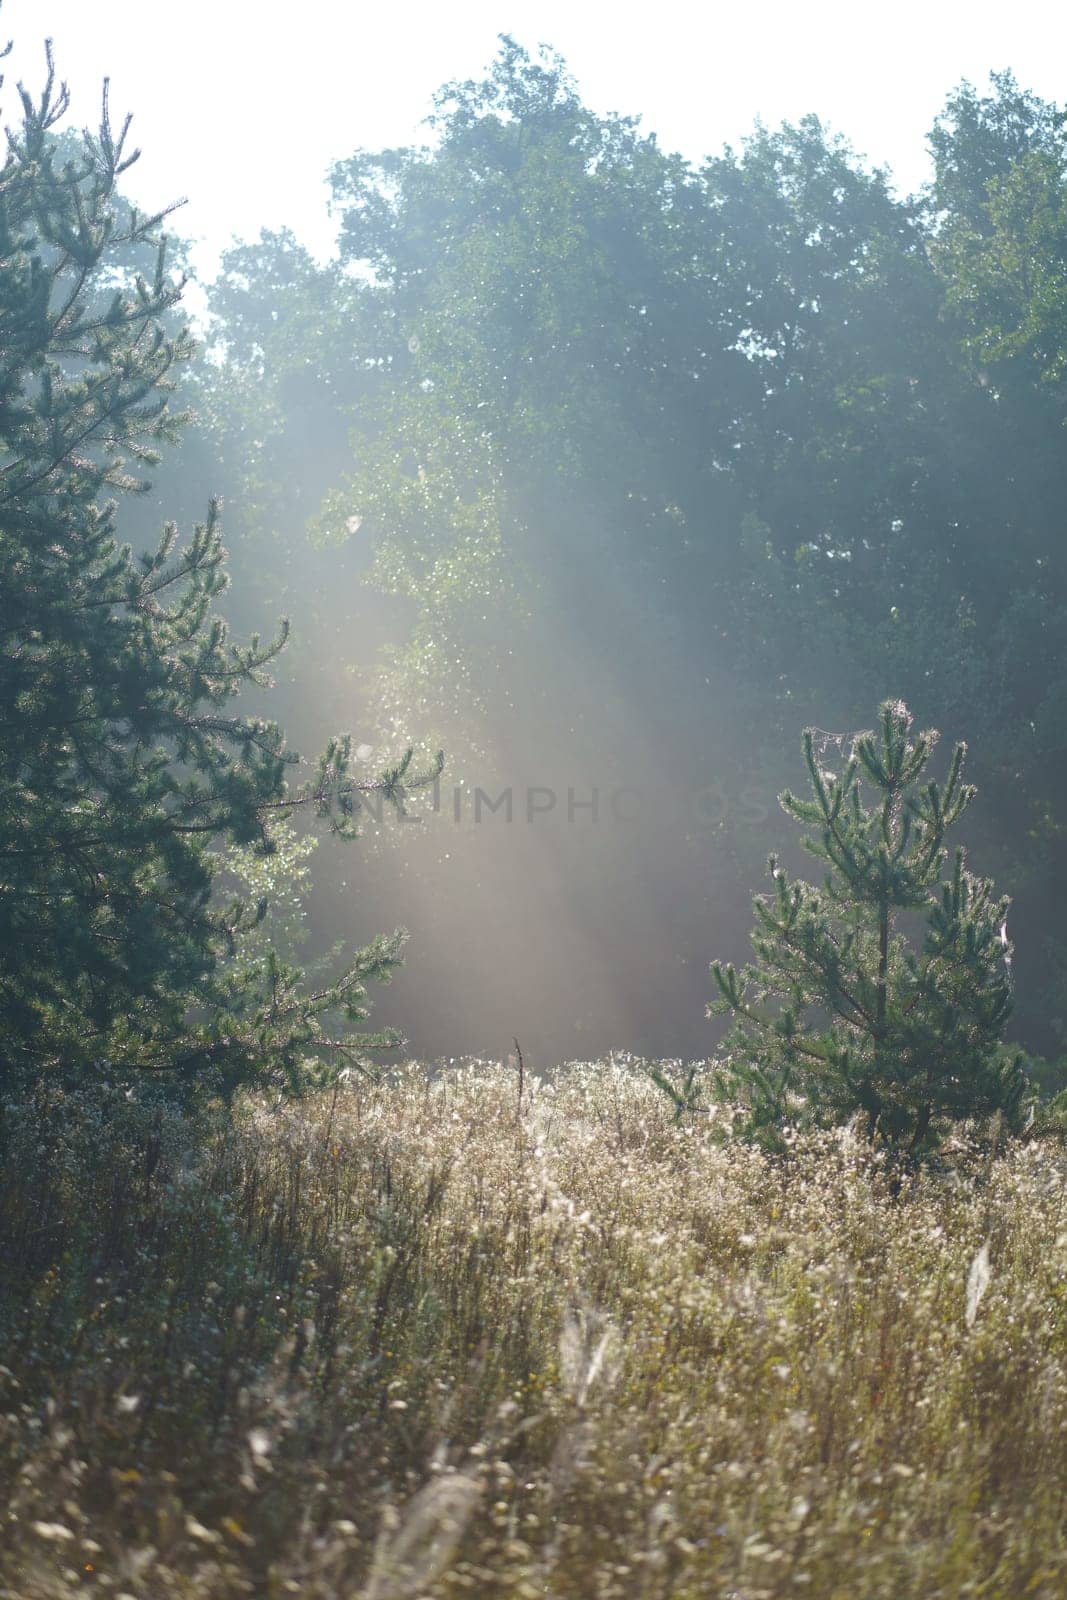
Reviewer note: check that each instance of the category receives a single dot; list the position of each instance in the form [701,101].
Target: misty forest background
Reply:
[604,470]
[604,473]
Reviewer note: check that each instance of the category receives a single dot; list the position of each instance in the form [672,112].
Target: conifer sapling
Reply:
[843,1014]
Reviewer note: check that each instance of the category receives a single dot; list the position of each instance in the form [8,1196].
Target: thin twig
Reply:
[522,1071]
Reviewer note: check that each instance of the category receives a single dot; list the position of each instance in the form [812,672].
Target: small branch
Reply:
[522,1072]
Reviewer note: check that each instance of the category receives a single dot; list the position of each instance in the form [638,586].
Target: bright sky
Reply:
[242,104]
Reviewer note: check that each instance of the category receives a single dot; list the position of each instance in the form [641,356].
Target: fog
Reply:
[608,473]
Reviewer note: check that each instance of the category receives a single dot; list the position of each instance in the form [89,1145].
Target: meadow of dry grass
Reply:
[418,1340]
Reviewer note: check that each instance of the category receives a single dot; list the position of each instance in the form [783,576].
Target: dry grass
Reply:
[411,1342]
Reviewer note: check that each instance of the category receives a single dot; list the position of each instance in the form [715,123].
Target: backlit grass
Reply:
[421,1340]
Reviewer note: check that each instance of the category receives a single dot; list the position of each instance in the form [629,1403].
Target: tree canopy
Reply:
[727,445]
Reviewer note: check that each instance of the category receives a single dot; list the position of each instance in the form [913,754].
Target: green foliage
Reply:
[122,761]
[617,418]
[860,1019]
[281,879]
[1001,179]
[684,1088]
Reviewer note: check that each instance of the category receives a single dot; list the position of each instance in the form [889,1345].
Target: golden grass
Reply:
[416,1341]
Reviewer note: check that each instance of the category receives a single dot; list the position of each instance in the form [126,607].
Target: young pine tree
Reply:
[843,1014]
[123,763]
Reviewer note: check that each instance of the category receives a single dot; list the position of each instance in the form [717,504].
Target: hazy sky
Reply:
[241,105]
